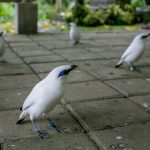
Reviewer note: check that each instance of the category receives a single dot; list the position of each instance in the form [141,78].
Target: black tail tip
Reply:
[19,121]
[117,66]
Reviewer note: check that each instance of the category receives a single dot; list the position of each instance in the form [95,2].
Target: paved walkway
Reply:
[103,108]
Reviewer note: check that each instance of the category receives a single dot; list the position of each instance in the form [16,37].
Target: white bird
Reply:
[74,33]
[134,51]
[45,96]
[2,46]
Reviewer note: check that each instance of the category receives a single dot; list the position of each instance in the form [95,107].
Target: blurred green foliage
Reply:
[6,12]
[113,15]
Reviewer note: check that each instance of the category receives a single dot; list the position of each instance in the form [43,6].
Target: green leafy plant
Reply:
[6,12]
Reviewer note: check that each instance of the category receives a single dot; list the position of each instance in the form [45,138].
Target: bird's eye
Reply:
[63,72]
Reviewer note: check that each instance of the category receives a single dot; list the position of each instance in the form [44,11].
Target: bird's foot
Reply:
[3,61]
[52,125]
[133,68]
[40,134]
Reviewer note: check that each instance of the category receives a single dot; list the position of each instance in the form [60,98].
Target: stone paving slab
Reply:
[110,113]
[43,58]
[14,69]
[131,86]
[80,56]
[143,101]
[105,70]
[47,67]
[15,97]
[18,81]
[43,37]
[17,38]
[31,51]
[87,91]
[62,118]
[70,50]
[93,107]
[74,141]
[133,137]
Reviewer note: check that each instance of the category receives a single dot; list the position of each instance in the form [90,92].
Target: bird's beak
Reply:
[147,35]
[73,67]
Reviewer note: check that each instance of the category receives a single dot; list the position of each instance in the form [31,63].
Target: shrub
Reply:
[95,18]
[117,16]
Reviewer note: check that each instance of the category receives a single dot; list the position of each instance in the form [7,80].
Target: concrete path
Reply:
[103,108]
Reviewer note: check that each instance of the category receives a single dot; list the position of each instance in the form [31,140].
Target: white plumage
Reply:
[45,95]
[74,33]
[2,46]
[134,51]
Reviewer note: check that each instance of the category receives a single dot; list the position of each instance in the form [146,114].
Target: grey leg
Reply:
[39,133]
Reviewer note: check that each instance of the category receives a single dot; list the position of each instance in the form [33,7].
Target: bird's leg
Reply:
[53,125]
[133,67]
[39,133]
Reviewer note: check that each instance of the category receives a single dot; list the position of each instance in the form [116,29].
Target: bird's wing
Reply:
[32,97]
[125,55]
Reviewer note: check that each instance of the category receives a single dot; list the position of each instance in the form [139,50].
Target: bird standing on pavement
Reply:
[2,46]
[74,33]
[134,51]
[45,96]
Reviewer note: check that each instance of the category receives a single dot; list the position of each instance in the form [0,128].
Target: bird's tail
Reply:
[119,64]
[76,42]
[22,117]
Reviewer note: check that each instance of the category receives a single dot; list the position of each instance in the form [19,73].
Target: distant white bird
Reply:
[74,33]
[2,46]
[134,51]
[45,96]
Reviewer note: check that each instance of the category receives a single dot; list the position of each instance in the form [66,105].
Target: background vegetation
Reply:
[79,11]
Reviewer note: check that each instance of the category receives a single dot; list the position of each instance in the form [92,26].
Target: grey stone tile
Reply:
[79,56]
[43,58]
[131,86]
[14,69]
[23,44]
[75,141]
[105,70]
[112,49]
[17,38]
[133,137]
[47,67]
[70,50]
[13,98]
[59,115]
[18,81]
[111,113]
[88,91]
[143,101]
[31,51]
[43,37]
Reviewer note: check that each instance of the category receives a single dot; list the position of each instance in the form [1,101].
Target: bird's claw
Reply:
[42,135]
[52,125]
[133,68]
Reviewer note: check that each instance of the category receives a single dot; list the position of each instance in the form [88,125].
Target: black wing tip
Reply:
[21,108]
[19,121]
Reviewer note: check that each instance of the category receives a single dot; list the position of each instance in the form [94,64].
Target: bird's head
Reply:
[142,36]
[72,25]
[62,71]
